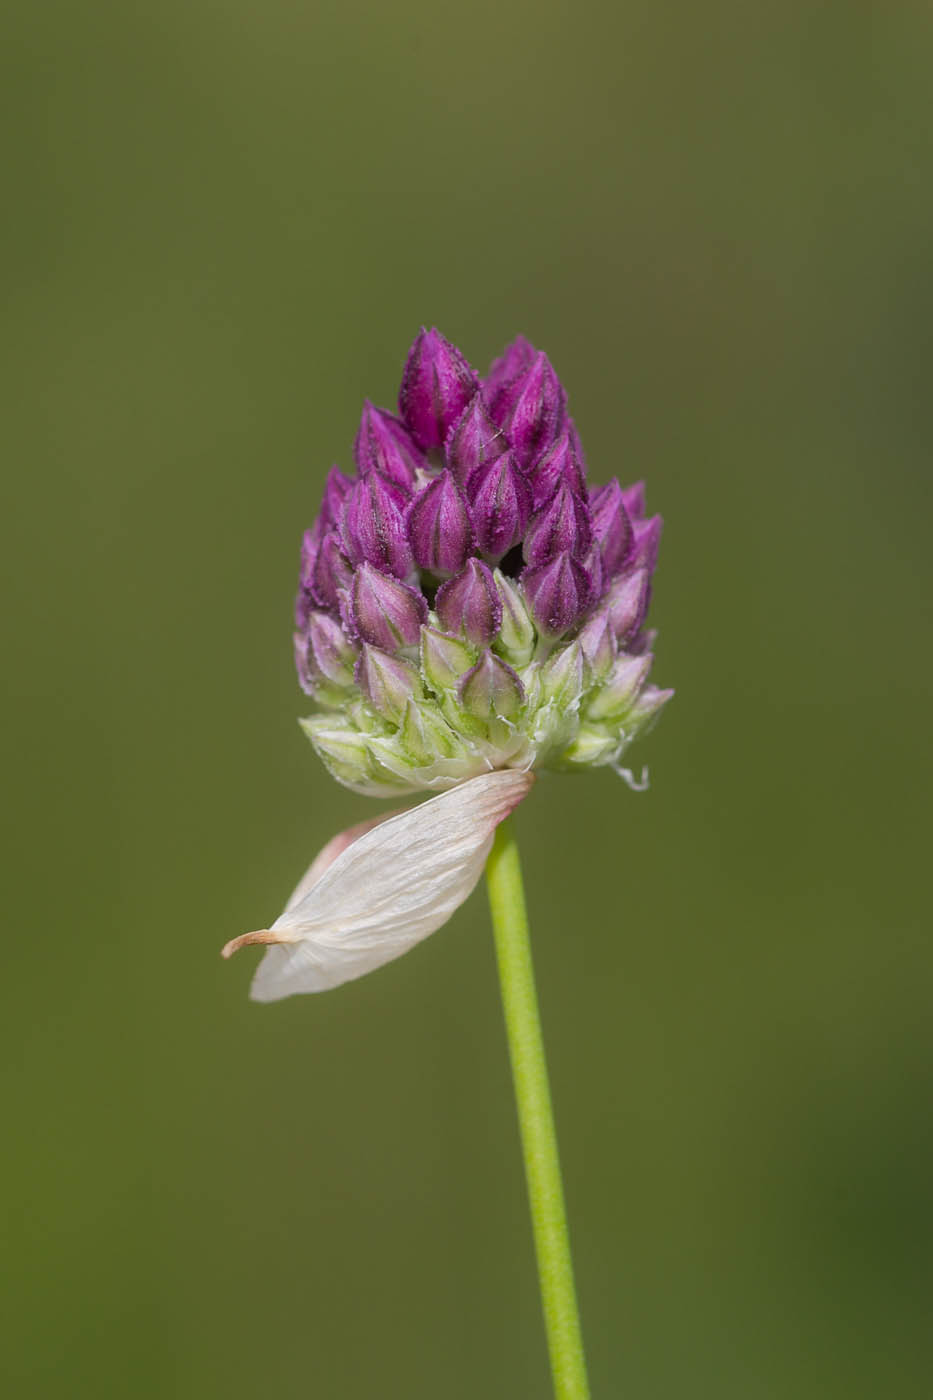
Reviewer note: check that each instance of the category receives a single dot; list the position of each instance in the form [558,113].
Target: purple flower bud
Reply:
[336,489]
[592,561]
[648,704]
[373,525]
[642,641]
[598,641]
[491,688]
[439,526]
[647,538]
[627,602]
[611,525]
[576,444]
[444,659]
[563,676]
[387,681]
[532,410]
[325,570]
[514,360]
[562,524]
[515,633]
[558,463]
[473,441]
[559,593]
[310,548]
[384,612]
[469,604]
[303,662]
[437,385]
[333,654]
[500,499]
[617,695]
[633,498]
[383,444]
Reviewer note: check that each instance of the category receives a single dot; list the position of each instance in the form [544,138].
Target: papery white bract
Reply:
[380,888]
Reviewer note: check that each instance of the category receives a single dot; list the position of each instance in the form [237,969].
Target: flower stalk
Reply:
[535,1117]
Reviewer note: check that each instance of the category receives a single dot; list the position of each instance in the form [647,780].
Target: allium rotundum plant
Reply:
[470,611]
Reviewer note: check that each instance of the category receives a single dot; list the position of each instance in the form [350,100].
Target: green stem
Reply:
[536,1120]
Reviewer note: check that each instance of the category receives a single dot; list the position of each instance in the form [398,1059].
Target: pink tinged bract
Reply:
[390,886]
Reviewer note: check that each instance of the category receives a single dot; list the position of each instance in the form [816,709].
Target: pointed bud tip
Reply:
[437,384]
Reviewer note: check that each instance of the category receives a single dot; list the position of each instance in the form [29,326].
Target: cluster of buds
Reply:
[467,603]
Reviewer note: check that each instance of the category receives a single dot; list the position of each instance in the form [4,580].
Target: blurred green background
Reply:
[224,224]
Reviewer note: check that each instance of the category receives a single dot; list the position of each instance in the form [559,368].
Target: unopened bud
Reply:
[626,602]
[387,681]
[383,444]
[474,441]
[439,526]
[517,636]
[561,525]
[500,502]
[615,698]
[562,676]
[437,385]
[611,525]
[558,463]
[599,645]
[444,659]
[513,361]
[384,611]
[559,593]
[469,604]
[531,410]
[333,654]
[491,689]
[373,526]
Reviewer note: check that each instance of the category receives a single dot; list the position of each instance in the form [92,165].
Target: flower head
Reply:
[468,609]
[467,601]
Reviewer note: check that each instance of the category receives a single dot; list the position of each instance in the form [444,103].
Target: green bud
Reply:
[516,639]
[387,681]
[343,750]
[491,689]
[614,699]
[562,677]
[425,736]
[593,745]
[444,659]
